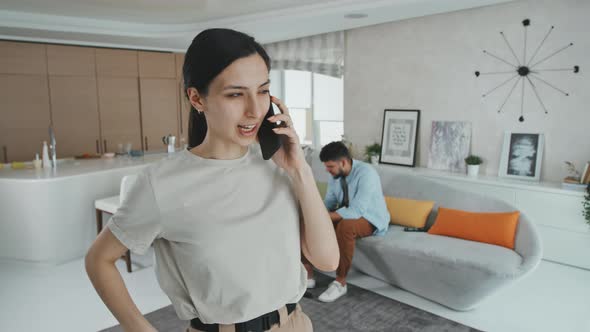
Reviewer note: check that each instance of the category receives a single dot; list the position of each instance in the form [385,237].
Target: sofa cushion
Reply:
[497,228]
[408,212]
[397,245]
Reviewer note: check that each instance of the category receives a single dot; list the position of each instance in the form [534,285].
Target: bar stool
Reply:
[110,205]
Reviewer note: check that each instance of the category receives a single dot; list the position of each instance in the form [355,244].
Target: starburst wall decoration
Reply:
[525,70]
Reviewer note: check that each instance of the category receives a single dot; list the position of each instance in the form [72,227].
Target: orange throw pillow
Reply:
[497,228]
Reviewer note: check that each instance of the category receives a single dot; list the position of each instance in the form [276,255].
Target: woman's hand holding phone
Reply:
[290,156]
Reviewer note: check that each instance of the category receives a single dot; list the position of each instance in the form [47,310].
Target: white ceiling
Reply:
[171,24]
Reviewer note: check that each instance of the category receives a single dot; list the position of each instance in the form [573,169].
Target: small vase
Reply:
[473,170]
[375,160]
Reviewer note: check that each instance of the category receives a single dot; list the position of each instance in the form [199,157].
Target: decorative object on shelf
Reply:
[526,69]
[372,153]
[576,180]
[585,177]
[449,145]
[473,163]
[37,162]
[400,134]
[586,205]
[170,142]
[574,175]
[573,181]
[522,154]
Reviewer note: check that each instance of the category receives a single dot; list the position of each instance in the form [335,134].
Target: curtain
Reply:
[322,54]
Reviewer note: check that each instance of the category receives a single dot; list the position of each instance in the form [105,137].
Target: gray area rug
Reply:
[358,311]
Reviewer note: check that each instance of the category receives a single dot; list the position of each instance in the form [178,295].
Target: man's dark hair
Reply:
[334,151]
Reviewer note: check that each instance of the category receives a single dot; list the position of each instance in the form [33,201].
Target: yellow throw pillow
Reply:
[408,212]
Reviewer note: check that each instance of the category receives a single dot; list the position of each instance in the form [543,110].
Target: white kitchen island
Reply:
[47,216]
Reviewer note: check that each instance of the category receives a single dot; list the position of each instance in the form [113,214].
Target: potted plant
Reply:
[473,163]
[373,152]
[586,205]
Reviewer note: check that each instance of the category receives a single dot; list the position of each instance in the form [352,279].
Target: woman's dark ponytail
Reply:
[197,127]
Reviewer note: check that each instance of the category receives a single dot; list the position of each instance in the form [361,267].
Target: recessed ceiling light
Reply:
[356,15]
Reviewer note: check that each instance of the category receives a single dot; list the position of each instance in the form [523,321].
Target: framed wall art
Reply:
[400,134]
[449,145]
[522,154]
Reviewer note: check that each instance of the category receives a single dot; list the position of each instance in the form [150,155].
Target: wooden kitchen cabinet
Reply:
[118,99]
[156,64]
[184,105]
[74,106]
[24,116]
[70,60]
[159,111]
[116,63]
[96,98]
[22,58]
[184,112]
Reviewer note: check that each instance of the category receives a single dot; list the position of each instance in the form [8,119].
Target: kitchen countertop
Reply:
[75,167]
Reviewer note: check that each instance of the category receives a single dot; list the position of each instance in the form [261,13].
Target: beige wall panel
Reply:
[184,112]
[184,105]
[22,143]
[75,114]
[179,57]
[116,63]
[159,110]
[22,58]
[70,60]
[119,112]
[24,101]
[157,65]
[24,116]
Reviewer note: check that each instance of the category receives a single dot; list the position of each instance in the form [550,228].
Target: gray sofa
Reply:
[457,273]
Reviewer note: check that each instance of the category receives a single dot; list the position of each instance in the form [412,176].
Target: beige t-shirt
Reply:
[225,234]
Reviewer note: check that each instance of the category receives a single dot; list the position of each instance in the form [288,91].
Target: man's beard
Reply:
[339,175]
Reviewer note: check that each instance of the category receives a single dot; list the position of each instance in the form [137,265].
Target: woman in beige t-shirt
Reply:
[227,225]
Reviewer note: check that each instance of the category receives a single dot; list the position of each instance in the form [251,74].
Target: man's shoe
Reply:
[310,283]
[334,292]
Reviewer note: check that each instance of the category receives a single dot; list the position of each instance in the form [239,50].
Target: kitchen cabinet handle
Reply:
[97,146]
[146,143]
[5,151]
[105,146]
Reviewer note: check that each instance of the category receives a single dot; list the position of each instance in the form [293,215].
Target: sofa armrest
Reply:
[528,244]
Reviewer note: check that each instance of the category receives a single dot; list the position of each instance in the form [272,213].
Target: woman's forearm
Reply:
[109,285]
[317,231]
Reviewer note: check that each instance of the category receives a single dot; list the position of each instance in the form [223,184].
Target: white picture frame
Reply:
[522,155]
[399,137]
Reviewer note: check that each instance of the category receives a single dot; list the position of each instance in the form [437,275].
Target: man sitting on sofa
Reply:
[357,208]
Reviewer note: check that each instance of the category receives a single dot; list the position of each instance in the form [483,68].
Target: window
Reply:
[315,102]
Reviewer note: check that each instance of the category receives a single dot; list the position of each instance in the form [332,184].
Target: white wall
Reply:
[428,64]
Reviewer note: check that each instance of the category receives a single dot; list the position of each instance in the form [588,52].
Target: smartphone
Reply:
[414,229]
[270,142]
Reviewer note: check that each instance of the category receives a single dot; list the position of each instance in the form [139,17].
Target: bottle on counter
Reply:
[46,162]
[37,162]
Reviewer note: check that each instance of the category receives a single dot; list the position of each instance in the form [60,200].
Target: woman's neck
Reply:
[210,149]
